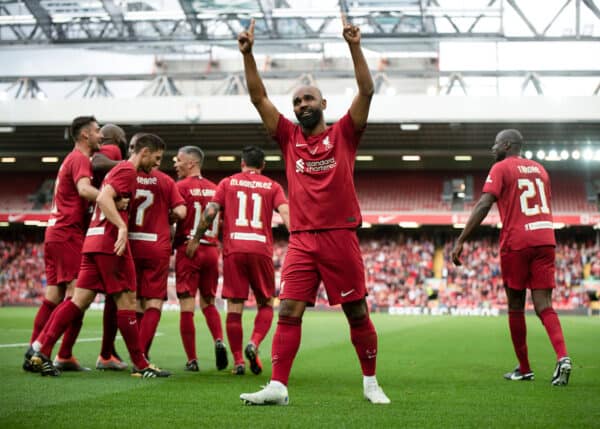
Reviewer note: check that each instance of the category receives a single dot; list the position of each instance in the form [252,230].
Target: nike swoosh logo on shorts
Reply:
[345,294]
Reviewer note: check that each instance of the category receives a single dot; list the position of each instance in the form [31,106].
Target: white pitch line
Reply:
[79,340]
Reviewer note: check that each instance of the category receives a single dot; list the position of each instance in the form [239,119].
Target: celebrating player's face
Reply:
[308,107]
[150,159]
[94,136]
[182,164]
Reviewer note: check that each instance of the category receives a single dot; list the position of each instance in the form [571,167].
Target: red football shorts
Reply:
[199,273]
[62,260]
[332,256]
[242,271]
[109,274]
[529,268]
[152,275]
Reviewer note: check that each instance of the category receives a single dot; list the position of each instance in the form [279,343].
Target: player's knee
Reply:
[55,294]
[291,308]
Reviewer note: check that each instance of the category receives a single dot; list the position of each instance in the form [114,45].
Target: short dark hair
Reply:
[80,123]
[195,152]
[253,156]
[151,141]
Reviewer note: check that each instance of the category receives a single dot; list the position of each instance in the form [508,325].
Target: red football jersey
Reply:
[248,200]
[522,190]
[68,214]
[319,171]
[197,193]
[149,228]
[102,234]
[112,152]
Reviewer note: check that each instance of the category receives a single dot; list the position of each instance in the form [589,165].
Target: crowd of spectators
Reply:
[399,273]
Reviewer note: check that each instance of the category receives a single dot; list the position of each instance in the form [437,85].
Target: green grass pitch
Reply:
[438,372]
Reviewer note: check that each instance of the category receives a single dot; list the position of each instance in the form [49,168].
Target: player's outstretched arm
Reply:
[102,163]
[106,202]
[208,217]
[258,94]
[477,216]
[359,110]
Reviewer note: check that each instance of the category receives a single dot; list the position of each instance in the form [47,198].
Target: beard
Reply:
[499,156]
[311,120]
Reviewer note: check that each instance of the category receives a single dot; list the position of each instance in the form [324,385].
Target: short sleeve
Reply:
[347,129]
[81,168]
[494,181]
[284,132]
[122,181]
[221,191]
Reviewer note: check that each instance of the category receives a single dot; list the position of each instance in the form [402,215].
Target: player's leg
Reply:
[152,314]
[152,286]
[53,296]
[66,313]
[262,281]
[119,281]
[55,291]
[187,328]
[186,284]
[542,283]
[286,343]
[299,285]
[209,280]
[515,275]
[364,338]
[127,322]
[262,324]
[518,333]
[65,361]
[341,267]
[109,359]
[235,333]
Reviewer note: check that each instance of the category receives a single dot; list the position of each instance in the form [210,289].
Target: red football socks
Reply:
[262,324]
[213,320]
[235,336]
[148,328]
[41,318]
[109,327]
[127,323]
[285,347]
[364,339]
[554,330]
[518,334]
[188,334]
[66,313]
[71,334]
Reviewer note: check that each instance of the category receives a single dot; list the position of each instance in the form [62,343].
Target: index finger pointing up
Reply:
[251,27]
[344,20]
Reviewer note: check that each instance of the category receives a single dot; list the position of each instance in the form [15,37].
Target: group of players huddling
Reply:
[124,252]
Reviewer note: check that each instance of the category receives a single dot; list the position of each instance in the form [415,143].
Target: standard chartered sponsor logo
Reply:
[303,166]
[315,166]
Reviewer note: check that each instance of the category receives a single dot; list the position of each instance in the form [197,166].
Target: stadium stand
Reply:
[398,273]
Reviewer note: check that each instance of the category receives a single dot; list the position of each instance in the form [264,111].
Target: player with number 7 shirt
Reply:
[201,272]
[521,188]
